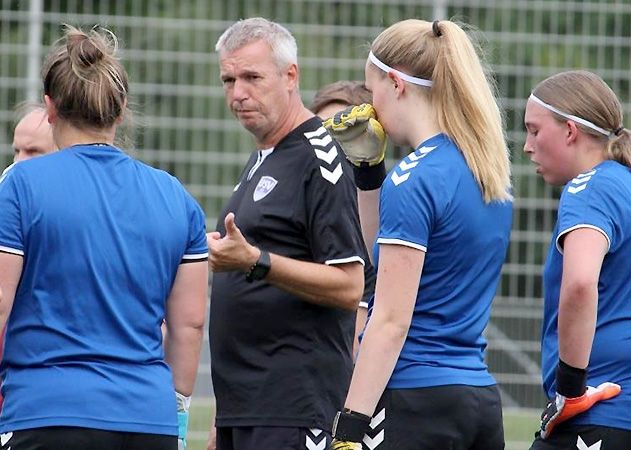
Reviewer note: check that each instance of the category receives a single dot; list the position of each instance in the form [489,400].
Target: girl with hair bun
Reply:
[96,251]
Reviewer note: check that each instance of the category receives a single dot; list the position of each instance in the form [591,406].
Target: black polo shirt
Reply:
[278,360]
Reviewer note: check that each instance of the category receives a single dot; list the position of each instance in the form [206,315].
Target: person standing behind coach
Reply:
[96,249]
[327,101]
[286,258]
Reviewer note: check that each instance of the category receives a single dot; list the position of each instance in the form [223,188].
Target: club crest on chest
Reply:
[265,185]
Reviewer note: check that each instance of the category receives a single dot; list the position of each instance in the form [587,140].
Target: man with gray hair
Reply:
[287,258]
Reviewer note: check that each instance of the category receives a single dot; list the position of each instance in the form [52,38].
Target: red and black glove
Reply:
[573,397]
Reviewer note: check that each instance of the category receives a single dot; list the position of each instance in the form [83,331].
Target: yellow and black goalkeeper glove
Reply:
[345,445]
[359,133]
[363,140]
[349,428]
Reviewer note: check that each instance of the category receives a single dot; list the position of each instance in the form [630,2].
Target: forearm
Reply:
[182,348]
[368,204]
[577,324]
[339,285]
[380,349]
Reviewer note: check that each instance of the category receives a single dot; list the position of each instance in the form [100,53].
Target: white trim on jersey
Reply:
[260,157]
[13,251]
[363,305]
[350,259]
[199,256]
[390,241]
[575,227]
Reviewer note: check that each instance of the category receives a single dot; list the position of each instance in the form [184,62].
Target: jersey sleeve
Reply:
[589,201]
[11,235]
[197,249]
[409,207]
[332,218]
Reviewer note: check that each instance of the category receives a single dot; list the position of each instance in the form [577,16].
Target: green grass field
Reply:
[519,427]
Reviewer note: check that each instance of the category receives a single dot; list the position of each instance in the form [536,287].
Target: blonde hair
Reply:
[85,79]
[585,95]
[462,94]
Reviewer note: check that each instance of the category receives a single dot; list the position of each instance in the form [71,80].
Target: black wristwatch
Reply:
[259,269]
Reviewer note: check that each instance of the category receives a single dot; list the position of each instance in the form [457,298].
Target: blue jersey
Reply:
[432,202]
[102,236]
[599,199]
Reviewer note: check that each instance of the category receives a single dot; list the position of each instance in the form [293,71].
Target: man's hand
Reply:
[183,404]
[562,408]
[232,251]
[359,133]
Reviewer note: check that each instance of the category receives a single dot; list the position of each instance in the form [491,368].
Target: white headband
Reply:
[587,123]
[409,78]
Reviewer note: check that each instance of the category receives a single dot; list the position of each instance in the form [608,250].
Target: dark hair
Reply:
[84,78]
[348,92]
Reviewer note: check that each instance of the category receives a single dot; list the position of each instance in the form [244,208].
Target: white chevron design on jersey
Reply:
[326,140]
[332,177]
[5,437]
[378,418]
[315,431]
[398,179]
[326,156]
[315,134]
[426,150]
[414,157]
[407,166]
[372,443]
[311,445]
[581,445]
[577,189]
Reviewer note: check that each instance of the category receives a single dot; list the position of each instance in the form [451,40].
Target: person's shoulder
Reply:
[318,151]
[608,176]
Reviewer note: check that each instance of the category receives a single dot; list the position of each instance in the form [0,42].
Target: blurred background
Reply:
[184,127]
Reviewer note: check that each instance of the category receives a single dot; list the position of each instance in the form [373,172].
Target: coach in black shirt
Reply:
[287,258]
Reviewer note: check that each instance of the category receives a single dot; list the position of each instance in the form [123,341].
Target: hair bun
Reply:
[82,50]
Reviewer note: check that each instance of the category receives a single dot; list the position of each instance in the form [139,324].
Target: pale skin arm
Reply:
[583,252]
[339,285]
[185,314]
[399,271]
[368,204]
[10,272]
[212,438]
[360,324]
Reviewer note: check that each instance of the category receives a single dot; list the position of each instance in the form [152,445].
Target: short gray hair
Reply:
[246,31]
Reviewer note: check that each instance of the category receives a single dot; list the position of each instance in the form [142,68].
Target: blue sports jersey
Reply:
[598,199]
[432,202]
[102,236]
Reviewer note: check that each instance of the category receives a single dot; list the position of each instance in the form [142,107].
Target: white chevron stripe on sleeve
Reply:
[334,176]
[326,156]
[326,140]
[315,134]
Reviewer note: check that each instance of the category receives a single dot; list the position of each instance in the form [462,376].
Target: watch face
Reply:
[259,272]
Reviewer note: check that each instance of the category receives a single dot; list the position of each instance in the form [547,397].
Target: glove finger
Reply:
[608,390]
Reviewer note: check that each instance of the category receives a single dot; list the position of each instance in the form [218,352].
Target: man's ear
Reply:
[293,75]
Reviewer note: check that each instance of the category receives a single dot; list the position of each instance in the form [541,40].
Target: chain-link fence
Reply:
[187,130]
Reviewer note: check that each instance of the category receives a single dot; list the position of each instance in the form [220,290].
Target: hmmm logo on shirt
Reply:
[264,187]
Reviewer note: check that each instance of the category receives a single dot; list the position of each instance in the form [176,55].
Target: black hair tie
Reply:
[618,130]
[436,29]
